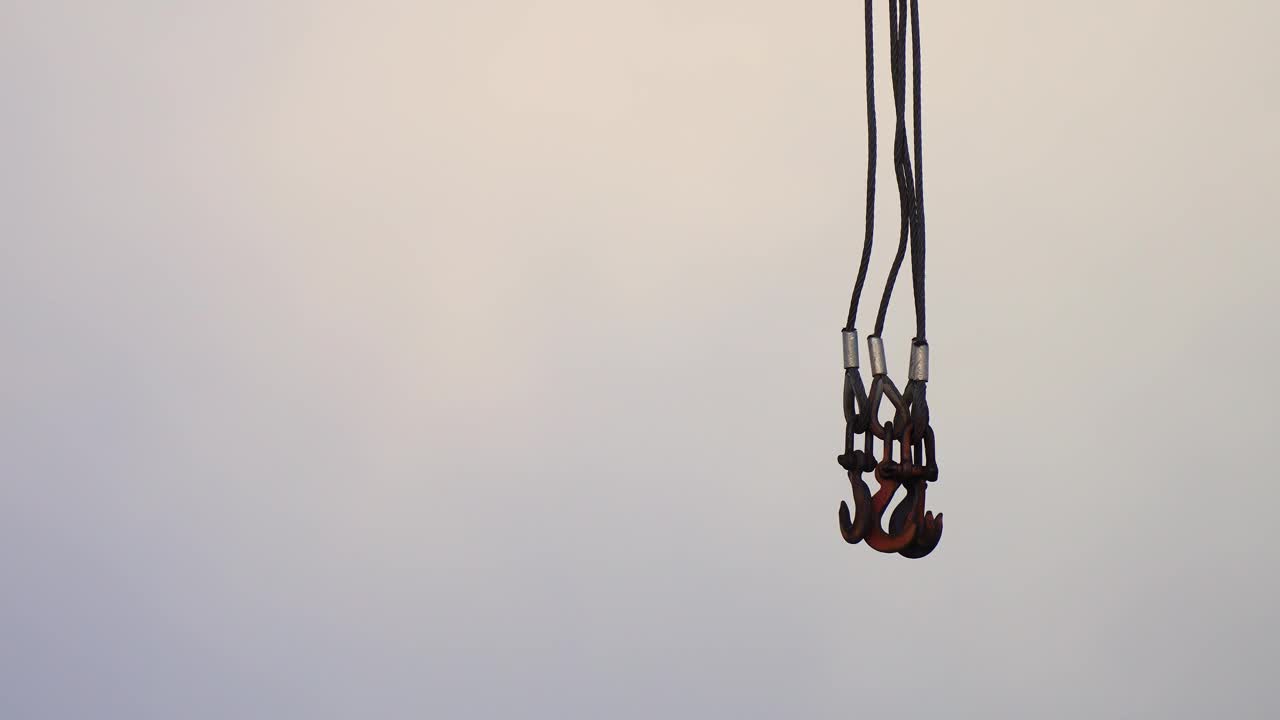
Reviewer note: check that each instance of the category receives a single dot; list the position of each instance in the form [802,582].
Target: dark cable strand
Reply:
[856,419]
[902,155]
[918,230]
[916,389]
[871,170]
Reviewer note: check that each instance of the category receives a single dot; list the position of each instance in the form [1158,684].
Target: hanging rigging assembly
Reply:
[913,532]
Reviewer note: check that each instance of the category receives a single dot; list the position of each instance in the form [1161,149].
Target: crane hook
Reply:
[889,475]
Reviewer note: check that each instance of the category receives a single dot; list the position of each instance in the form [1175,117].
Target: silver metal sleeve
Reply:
[920,362]
[850,348]
[875,349]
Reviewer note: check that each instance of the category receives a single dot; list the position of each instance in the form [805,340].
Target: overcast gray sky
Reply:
[413,359]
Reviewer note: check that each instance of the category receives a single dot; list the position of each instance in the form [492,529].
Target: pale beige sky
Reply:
[467,360]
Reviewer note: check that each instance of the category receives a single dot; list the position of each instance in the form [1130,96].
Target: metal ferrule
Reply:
[850,338]
[919,362]
[875,349]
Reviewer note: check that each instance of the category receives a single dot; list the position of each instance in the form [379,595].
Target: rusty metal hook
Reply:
[929,526]
[854,528]
[889,475]
[911,509]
